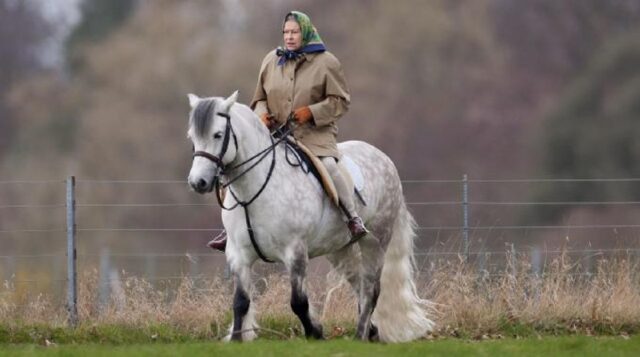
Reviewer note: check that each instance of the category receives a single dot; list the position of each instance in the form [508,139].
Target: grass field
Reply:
[551,346]
[507,311]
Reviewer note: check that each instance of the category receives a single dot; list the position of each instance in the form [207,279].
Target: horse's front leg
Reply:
[297,266]
[243,320]
[372,261]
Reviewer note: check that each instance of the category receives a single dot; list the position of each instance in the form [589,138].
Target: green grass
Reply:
[110,334]
[550,346]
[277,328]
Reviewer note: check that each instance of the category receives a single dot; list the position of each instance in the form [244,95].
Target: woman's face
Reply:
[292,35]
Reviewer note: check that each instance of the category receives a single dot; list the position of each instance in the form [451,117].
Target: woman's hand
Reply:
[268,120]
[302,115]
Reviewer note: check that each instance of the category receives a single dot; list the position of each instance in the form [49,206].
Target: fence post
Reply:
[465,216]
[72,298]
[104,285]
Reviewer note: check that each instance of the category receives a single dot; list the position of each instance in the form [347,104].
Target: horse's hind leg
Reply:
[372,261]
[299,300]
[348,263]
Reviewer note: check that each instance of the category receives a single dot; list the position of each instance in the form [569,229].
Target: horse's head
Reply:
[214,143]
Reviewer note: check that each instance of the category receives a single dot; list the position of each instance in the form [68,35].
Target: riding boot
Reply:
[345,195]
[219,242]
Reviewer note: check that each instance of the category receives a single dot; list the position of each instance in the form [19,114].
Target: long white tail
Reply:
[401,315]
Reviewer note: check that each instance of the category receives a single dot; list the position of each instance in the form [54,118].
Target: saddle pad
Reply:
[354,172]
[325,178]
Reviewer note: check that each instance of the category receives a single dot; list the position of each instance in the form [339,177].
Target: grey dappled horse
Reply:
[293,220]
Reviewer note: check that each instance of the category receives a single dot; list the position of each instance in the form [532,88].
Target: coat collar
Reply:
[310,56]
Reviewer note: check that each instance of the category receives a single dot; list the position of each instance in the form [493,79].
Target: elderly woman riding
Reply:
[306,82]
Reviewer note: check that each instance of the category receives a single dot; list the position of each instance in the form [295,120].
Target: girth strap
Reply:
[253,238]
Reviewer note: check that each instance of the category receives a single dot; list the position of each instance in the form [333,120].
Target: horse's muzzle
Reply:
[202,185]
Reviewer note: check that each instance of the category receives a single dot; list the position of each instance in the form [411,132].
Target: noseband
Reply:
[228,131]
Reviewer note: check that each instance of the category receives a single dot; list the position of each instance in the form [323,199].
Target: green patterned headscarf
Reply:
[311,40]
[310,34]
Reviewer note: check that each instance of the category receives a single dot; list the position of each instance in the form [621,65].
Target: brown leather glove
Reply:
[268,120]
[302,115]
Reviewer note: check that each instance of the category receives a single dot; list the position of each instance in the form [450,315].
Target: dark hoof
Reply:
[316,333]
[373,334]
[371,337]
[236,337]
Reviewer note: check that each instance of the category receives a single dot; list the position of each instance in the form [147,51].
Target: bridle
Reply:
[219,186]
[225,144]
[225,170]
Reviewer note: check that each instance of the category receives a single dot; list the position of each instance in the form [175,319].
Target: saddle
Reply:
[350,171]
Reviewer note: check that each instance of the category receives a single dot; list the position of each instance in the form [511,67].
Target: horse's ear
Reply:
[193,100]
[227,103]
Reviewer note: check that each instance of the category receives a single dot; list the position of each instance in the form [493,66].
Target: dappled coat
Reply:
[315,80]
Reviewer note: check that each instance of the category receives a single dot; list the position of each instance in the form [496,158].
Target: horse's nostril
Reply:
[202,184]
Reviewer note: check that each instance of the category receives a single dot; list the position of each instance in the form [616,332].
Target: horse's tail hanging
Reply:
[401,315]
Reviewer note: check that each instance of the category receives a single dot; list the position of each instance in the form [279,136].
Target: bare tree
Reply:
[22,31]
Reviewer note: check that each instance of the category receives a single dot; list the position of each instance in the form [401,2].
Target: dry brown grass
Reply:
[563,299]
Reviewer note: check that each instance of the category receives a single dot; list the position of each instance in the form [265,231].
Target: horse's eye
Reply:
[217,135]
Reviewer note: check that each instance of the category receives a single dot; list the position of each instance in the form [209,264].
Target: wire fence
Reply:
[411,203]
[455,219]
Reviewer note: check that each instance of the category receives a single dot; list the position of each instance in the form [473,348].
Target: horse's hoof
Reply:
[316,333]
[373,334]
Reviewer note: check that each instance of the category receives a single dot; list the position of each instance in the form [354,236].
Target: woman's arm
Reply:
[259,101]
[337,97]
